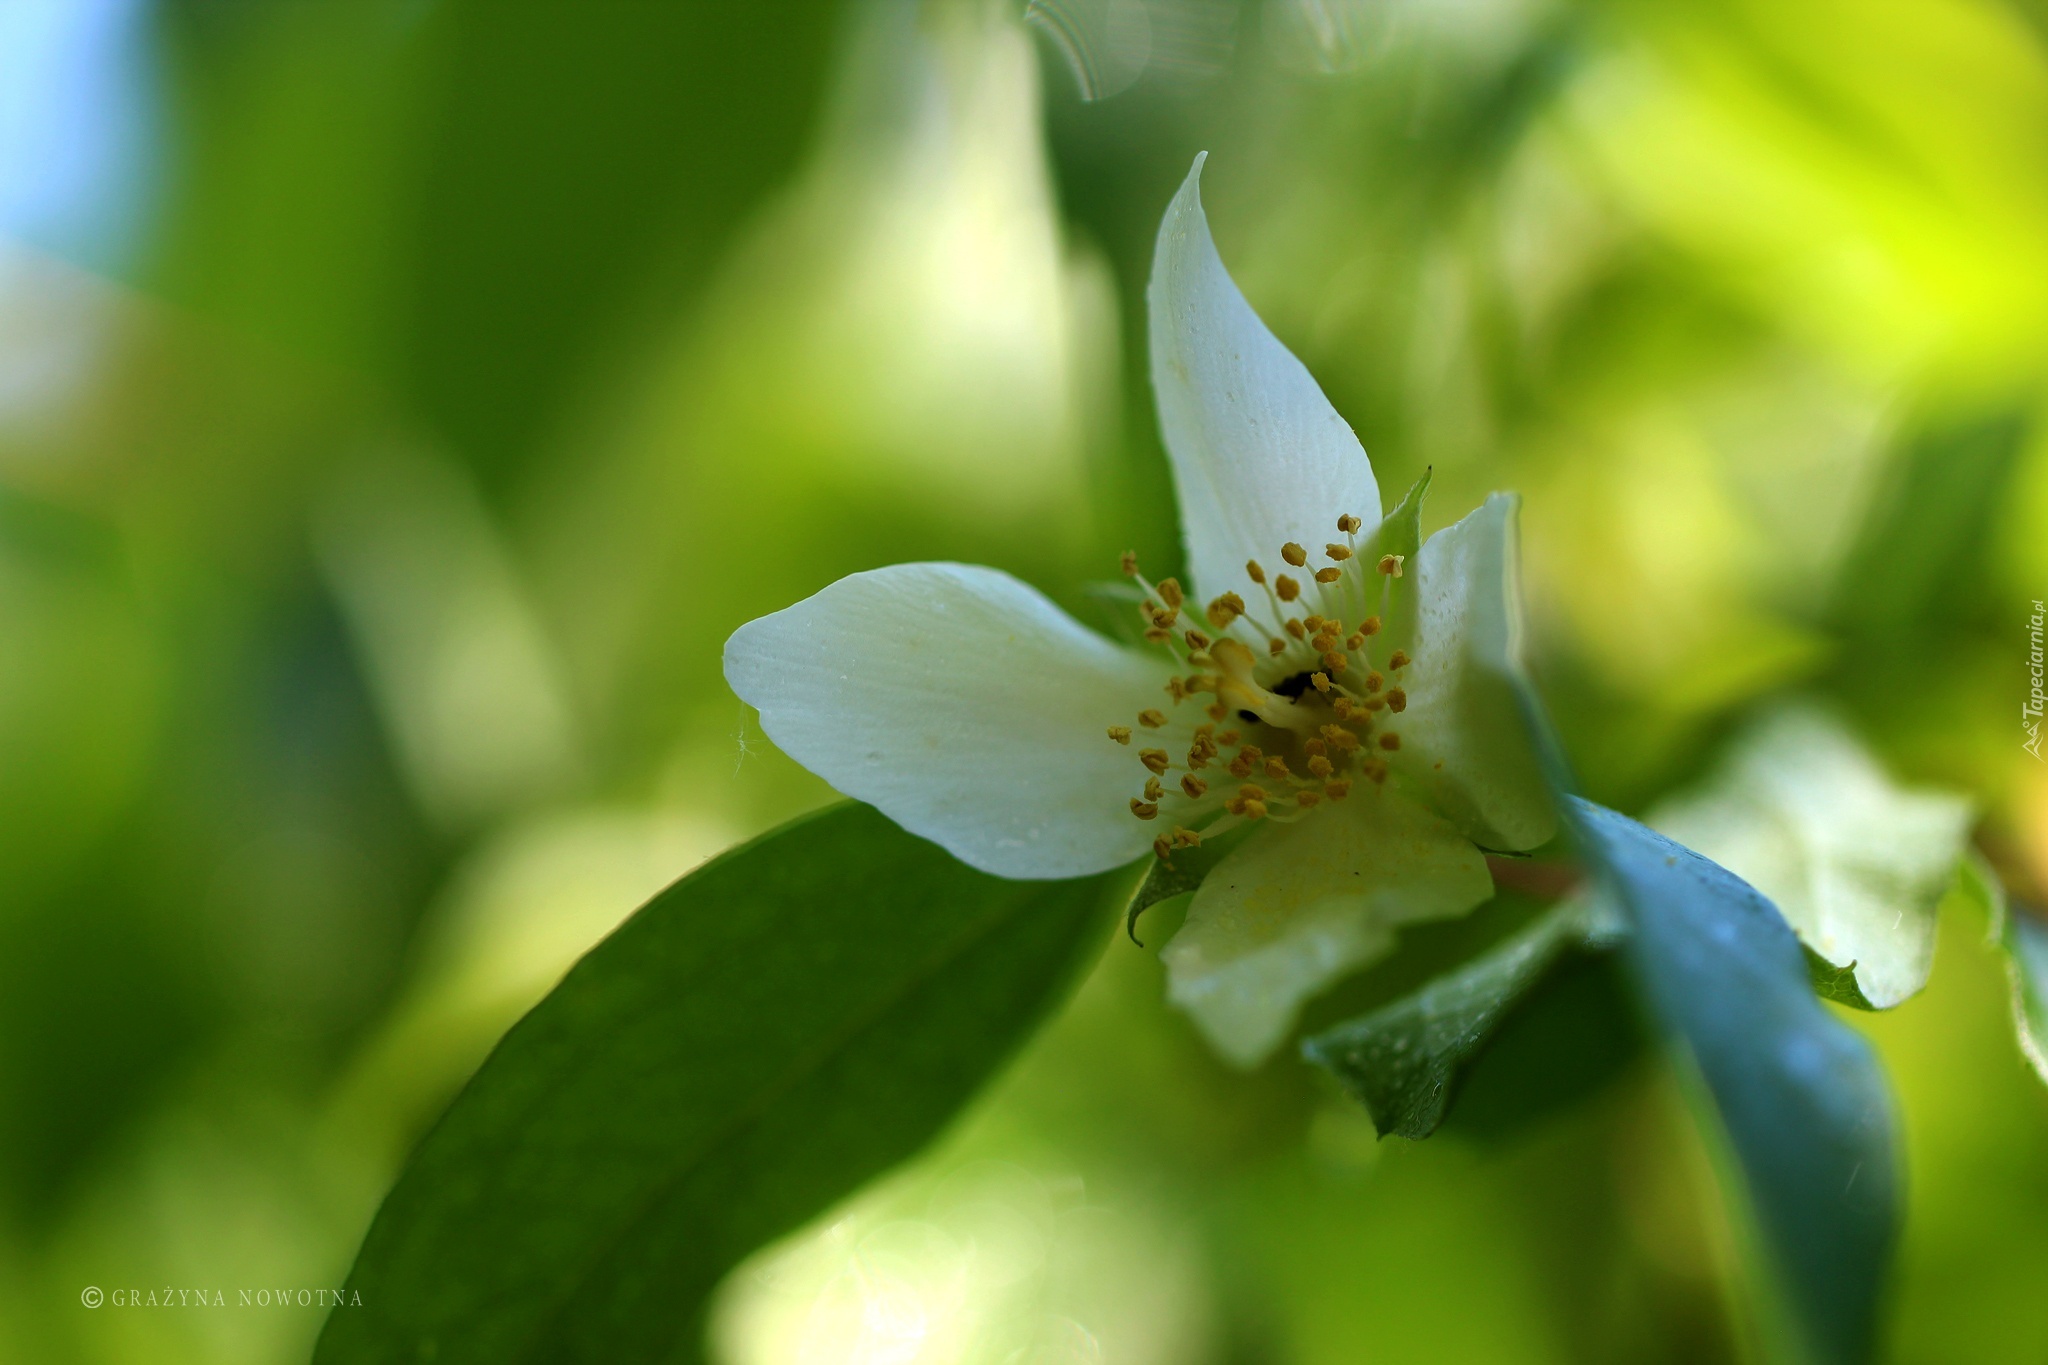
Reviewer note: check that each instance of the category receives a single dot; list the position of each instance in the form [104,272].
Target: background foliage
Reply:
[400,400]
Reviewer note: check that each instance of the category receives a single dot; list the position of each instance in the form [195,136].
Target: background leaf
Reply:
[762,1037]
[1404,1061]
[1798,1095]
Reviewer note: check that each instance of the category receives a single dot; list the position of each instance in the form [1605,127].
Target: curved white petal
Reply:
[1259,455]
[962,704]
[1465,740]
[1296,907]
[1858,866]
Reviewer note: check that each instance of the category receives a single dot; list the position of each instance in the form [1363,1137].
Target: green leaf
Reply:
[764,1036]
[1835,983]
[1179,875]
[2024,941]
[1798,1095]
[1404,1062]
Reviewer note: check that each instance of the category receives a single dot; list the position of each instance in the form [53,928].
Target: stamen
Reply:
[1276,646]
[1186,838]
[1155,759]
[1295,629]
[1328,575]
[1287,588]
[1340,553]
[1129,563]
[1153,791]
[1276,768]
[1399,659]
[1144,810]
[1397,700]
[1390,565]
[1348,523]
[1170,593]
[1305,799]
[1160,848]
[1321,681]
[1120,733]
[1373,682]
[1224,610]
[1294,554]
[1196,640]
[1151,719]
[1253,571]
[1369,626]
[1338,789]
[1194,786]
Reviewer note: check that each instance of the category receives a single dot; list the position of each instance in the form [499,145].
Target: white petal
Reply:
[1856,865]
[1259,455]
[965,706]
[1296,907]
[1464,738]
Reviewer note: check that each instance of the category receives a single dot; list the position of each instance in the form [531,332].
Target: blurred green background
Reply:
[400,401]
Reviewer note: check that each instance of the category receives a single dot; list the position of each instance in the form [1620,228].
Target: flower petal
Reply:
[1296,907]
[1259,455]
[1464,739]
[965,706]
[1858,866]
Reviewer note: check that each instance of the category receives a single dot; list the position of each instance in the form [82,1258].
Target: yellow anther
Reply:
[1373,682]
[1390,742]
[1158,635]
[1313,745]
[1357,641]
[1155,759]
[1369,626]
[1153,791]
[1348,523]
[1160,848]
[1253,571]
[1287,588]
[1342,706]
[1170,593]
[1120,733]
[1240,767]
[1306,799]
[1228,737]
[1162,617]
[1276,645]
[1338,789]
[1397,700]
[1340,553]
[1251,791]
[1276,768]
[1335,662]
[1217,710]
[1252,752]
[1295,629]
[1151,719]
[1319,765]
[1294,554]
[1176,689]
[1328,575]
[1390,565]
[1129,563]
[1144,810]
[1224,610]
[1399,659]
[1196,640]
[1185,838]
[1313,622]
[1252,810]
[1321,681]
[1193,786]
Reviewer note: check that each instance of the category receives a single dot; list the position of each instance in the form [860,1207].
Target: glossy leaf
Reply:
[1405,1060]
[1797,1095]
[771,1031]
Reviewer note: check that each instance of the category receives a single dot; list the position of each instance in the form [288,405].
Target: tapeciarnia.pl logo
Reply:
[2030,712]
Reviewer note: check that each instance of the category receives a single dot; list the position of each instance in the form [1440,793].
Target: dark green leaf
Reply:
[771,1031]
[1835,983]
[1798,1095]
[1403,1062]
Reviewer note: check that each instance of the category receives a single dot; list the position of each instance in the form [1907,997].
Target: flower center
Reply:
[1302,694]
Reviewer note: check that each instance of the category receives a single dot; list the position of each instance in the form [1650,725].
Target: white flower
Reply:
[1352,704]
